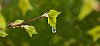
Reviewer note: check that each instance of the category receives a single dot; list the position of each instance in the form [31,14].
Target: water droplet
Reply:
[53,30]
[13,27]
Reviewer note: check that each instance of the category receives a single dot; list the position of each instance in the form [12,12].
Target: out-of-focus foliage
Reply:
[71,41]
[24,6]
[70,31]
[95,33]
[56,39]
[2,25]
[87,8]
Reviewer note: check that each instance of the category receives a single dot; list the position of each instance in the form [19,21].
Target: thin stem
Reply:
[34,19]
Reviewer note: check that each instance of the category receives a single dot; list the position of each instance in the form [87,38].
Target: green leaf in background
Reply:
[52,17]
[95,33]
[2,26]
[18,22]
[70,42]
[30,29]
[24,6]
[56,39]
[87,8]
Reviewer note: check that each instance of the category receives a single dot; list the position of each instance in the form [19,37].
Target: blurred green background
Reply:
[70,31]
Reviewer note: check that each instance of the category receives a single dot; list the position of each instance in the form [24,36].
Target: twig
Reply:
[34,19]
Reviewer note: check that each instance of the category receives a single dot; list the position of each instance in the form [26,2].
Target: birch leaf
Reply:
[18,22]
[87,8]
[24,6]
[31,30]
[95,33]
[52,17]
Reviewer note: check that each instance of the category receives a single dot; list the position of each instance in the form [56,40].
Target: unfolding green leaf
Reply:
[53,13]
[24,6]
[86,9]
[18,22]
[52,17]
[31,30]
[95,33]
[2,26]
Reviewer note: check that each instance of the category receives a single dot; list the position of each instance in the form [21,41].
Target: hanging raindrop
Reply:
[53,30]
[14,27]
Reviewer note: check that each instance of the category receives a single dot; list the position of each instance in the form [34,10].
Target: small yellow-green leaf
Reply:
[86,9]
[52,17]
[31,30]
[24,6]
[18,22]
[95,33]
[53,13]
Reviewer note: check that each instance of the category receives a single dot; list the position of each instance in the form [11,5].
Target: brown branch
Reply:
[34,19]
